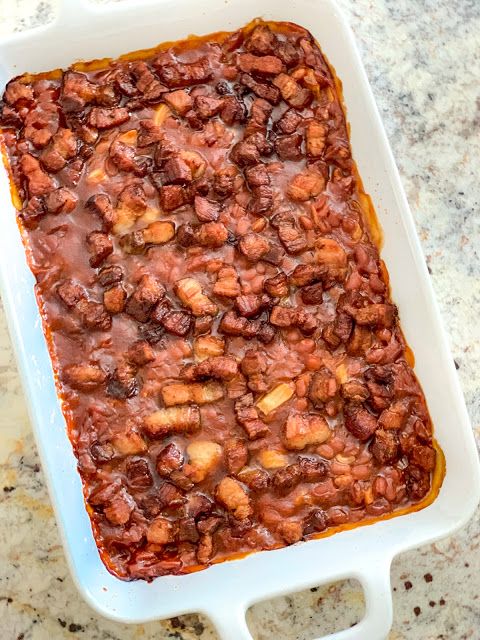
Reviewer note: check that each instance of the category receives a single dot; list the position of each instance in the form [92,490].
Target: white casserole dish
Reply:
[224,591]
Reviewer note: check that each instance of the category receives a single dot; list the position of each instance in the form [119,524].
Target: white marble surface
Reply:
[423,60]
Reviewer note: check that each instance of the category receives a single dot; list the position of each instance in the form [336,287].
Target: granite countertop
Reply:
[423,59]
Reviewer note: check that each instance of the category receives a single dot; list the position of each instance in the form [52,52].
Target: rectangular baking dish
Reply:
[224,591]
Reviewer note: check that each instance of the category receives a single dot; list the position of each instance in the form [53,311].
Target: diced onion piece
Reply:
[275,398]
[204,456]
[151,214]
[128,137]
[341,374]
[159,232]
[96,176]
[272,459]
[161,113]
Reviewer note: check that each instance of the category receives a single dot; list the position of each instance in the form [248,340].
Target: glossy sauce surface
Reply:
[231,365]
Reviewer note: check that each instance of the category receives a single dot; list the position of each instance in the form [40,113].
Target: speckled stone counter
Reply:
[423,61]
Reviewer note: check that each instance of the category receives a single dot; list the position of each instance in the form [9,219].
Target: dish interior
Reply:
[231,366]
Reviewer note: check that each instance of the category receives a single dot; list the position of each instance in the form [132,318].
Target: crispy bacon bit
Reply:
[169,459]
[289,122]
[277,286]
[189,291]
[173,420]
[385,446]
[102,118]
[177,322]
[290,531]
[250,305]
[223,181]
[323,388]
[284,317]
[261,65]
[305,185]
[133,197]
[304,429]
[206,211]
[173,196]
[260,112]
[210,234]
[93,315]
[355,391]
[329,253]
[114,299]
[234,325]
[289,147]
[218,367]
[194,393]
[70,293]
[293,94]
[16,91]
[177,74]
[394,417]
[102,206]
[180,101]
[380,315]
[149,133]
[119,508]
[227,284]
[60,200]
[360,422]
[231,494]
[261,41]
[208,346]
[261,89]
[247,415]
[140,353]
[146,295]
[232,111]
[39,183]
[123,383]
[84,376]
[254,246]
[236,455]
[77,91]
[207,106]
[62,149]
[316,135]
[293,239]
[100,246]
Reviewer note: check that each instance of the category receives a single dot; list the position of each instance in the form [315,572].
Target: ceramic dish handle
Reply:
[230,622]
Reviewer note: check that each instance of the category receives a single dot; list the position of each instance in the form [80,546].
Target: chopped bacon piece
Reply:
[231,494]
[102,118]
[247,415]
[184,419]
[261,65]
[302,430]
[39,183]
[293,94]
[218,367]
[227,284]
